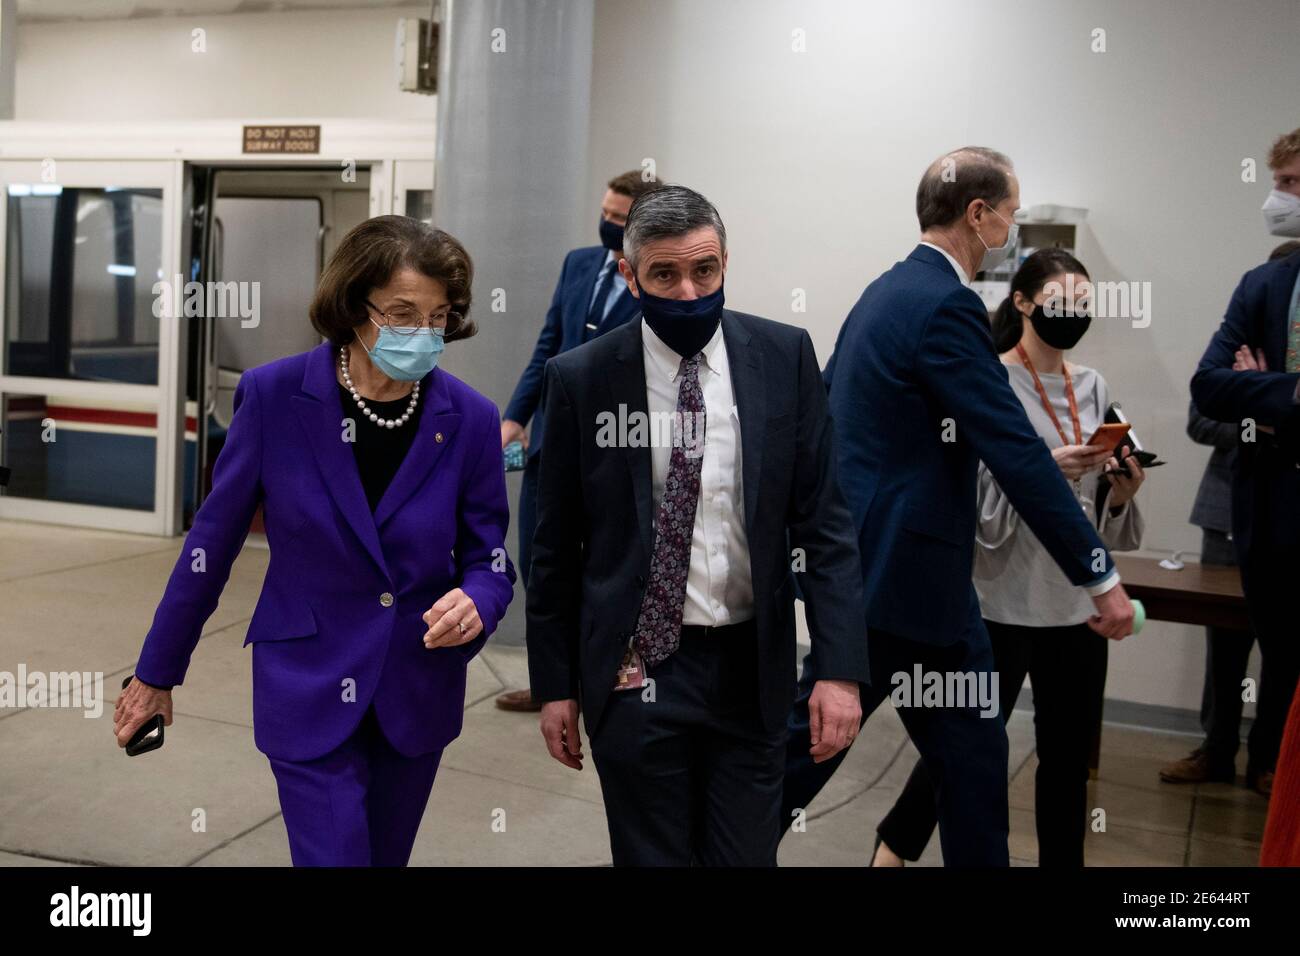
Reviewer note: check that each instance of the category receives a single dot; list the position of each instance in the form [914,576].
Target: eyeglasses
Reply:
[406,321]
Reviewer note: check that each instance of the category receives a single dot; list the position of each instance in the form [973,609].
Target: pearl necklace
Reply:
[361,402]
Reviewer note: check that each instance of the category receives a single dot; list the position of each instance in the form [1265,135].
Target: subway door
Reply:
[265,258]
[270,234]
[413,189]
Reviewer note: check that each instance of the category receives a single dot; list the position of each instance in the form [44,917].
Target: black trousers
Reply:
[527,517]
[1270,587]
[688,774]
[965,746]
[1067,666]
[1227,654]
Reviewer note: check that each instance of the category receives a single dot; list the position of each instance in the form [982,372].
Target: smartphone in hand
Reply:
[149,736]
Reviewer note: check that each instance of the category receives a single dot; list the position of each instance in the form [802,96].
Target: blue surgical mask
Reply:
[994,257]
[406,356]
[684,325]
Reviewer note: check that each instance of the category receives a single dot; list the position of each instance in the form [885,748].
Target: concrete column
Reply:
[514,96]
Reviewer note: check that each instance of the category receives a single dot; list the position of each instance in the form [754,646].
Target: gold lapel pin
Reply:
[438,437]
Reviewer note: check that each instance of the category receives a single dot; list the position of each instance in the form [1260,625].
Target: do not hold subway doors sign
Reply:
[281,139]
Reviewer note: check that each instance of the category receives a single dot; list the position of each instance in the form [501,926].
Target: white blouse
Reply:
[1016,579]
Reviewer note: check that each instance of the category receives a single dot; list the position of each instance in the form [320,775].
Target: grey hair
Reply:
[667,211]
[953,181]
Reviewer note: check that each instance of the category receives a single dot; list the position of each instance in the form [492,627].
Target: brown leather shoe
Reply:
[519,700]
[1196,768]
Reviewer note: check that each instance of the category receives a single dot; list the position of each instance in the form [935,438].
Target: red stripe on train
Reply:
[97,416]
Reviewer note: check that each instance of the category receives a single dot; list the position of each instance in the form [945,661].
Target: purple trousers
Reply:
[359,805]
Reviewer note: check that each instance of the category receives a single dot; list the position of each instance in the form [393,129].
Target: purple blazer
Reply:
[338,623]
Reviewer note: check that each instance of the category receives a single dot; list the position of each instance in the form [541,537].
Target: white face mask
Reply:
[1282,213]
[996,256]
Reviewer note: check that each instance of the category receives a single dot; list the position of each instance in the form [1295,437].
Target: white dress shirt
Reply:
[961,273]
[719,590]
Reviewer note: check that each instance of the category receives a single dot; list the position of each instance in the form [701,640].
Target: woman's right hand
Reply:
[1075,461]
[137,704]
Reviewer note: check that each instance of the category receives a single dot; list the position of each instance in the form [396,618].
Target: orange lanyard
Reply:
[1042,394]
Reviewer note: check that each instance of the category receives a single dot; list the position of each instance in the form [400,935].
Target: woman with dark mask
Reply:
[1036,619]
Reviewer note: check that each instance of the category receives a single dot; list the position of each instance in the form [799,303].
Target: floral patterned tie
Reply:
[659,625]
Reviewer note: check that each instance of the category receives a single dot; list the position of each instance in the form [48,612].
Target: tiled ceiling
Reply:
[44,11]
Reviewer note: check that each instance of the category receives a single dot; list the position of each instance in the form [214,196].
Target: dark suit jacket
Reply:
[1266,482]
[592,549]
[565,328]
[915,365]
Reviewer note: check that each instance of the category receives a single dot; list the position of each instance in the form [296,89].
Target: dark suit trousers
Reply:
[527,514]
[1270,588]
[966,753]
[691,776]
[1227,654]
[1068,668]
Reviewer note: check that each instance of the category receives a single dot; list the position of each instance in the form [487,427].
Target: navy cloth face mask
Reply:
[611,235]
[684,325]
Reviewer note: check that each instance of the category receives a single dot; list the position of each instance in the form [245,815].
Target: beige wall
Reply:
[310,63]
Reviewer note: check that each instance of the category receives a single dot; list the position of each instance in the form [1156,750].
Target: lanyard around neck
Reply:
[1042,394]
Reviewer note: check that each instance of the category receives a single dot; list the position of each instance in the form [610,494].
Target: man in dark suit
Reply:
[590,299]
[919,397]
[1227,649]
[1250,376]
[682,453]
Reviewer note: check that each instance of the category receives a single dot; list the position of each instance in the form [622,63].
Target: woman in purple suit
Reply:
[382,489]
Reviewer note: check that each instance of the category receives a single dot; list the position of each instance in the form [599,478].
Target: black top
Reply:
[378,450]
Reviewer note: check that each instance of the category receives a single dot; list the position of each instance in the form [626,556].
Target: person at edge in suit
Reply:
[1227,650]
[1035,618]
[919,398]
[683,452]
[1250,376]
[590,299]
[381,485]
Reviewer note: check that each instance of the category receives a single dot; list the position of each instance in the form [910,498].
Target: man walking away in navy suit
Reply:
[590,299]
[919,397]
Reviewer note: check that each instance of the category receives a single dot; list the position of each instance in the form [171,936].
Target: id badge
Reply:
[631,673]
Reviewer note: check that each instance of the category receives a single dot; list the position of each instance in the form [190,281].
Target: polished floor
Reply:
[82,600]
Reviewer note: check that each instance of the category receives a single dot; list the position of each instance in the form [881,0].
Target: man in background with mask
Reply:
[590,299]
[686,455]
[919,397]
[1250,376]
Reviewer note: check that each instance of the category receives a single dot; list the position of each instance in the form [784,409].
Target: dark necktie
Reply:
[596,314]
[659,624]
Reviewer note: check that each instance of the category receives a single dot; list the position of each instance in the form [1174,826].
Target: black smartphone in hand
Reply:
[149,736]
